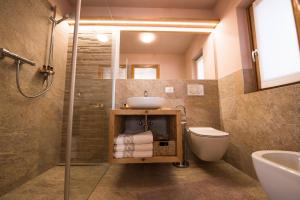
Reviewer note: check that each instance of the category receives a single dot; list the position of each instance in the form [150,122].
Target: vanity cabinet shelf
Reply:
[171,125]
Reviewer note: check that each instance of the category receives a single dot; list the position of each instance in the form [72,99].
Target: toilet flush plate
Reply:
[195,90]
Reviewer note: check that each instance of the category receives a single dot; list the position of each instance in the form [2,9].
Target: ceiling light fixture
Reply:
[200,26]
[147,37]
[199,23]
[146,29]
[102,38]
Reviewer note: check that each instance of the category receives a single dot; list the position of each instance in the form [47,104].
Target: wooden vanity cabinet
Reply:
[117,124]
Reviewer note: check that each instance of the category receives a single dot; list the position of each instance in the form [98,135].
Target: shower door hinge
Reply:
[254,53]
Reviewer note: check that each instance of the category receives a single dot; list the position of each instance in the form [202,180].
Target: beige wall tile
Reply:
[30,130]
[260,120]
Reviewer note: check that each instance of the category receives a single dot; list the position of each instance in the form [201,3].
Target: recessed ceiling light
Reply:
[102,38]
[147,37]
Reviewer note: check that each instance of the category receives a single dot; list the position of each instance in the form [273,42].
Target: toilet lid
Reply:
[207,131]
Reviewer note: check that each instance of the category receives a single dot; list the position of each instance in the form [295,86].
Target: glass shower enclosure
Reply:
[93,100]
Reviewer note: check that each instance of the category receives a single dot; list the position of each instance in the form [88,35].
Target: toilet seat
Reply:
[207,132]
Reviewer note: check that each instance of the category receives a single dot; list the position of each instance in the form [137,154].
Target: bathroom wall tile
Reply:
[30,130]
[201,110]
[250,83]
[266,119]
[228,86]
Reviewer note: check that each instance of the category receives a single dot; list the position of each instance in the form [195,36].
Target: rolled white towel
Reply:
[133,154]
[134,147]
[140,138]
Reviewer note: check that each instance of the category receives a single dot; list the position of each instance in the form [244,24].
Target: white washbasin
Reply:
[145,102]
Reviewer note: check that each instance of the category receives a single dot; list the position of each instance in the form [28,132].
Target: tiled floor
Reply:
[203,181]
[50,185]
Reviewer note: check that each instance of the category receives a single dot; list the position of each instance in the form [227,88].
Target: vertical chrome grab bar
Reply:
[71,103]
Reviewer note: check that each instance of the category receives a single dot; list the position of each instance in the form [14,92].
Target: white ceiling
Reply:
[183,4]
[165,43]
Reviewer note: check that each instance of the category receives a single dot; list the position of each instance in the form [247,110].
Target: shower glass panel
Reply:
[93,100]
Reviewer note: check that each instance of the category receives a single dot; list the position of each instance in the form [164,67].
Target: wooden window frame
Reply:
[253,43]
[156,66]
[296,6]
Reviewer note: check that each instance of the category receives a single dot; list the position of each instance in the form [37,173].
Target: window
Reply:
[200,68]
[145,72]
[276,44]
[122,72]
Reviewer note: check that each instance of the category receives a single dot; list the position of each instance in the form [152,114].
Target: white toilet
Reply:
[208,143]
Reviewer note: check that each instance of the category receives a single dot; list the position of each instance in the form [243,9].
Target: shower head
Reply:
[62,19]
[56,22]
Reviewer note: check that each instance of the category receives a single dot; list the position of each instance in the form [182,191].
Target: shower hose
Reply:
[46,74]
[46,89]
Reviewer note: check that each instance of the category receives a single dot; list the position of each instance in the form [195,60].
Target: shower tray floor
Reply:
[50,184]
[202,180]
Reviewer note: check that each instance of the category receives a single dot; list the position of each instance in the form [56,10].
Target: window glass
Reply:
[200,68]
[147,72]
[276,42]
[144,73]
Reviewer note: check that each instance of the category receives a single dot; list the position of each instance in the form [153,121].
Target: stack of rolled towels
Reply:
[138,145]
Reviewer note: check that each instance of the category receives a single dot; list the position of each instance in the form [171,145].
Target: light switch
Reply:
[169,90]
[195,90]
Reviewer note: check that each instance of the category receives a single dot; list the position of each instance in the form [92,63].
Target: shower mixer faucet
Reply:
[47,70]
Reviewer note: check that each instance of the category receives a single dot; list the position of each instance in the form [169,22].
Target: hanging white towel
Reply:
[134,147]
[140,138]
[133,154]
